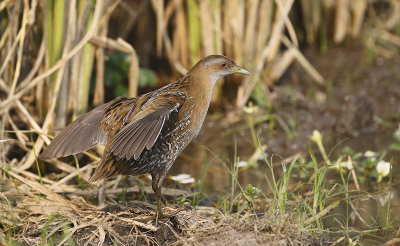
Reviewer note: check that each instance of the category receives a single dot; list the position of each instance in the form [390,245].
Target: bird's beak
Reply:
[240,70]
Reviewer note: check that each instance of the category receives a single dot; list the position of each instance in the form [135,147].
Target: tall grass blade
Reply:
[194,30]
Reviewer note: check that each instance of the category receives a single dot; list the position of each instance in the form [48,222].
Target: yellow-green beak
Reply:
[240,70]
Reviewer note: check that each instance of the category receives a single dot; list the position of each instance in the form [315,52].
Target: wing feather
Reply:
[121,140]
[131,140]
[140,134]
[142,140]
[80,135]
[154,135]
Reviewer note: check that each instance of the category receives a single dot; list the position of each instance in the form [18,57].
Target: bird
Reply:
[145,134]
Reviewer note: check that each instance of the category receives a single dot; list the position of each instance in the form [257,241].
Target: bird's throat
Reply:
[199,97]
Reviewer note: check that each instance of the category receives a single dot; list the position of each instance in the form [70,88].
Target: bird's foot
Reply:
[169,213]
[164,201]
[159,215]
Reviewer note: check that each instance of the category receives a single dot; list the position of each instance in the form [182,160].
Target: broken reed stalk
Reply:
[41,188]
[58,65]
[268,52]
[158,6]
[98,95]
[39,79]
[122,45]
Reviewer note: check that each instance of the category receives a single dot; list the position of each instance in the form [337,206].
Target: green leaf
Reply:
[396,134]
[121,90]
[147,77]
[395,146]
[251,192]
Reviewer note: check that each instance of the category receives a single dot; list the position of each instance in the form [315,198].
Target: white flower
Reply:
[383,168]
[250,109]
[369,154]
[241,164]
[183,178]
[316,136]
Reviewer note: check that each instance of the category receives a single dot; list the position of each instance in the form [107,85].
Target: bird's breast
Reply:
[193,114]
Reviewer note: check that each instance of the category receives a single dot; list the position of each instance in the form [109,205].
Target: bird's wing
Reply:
[144,126]
[80,135]
[144,129]
[141,129]
[130,142]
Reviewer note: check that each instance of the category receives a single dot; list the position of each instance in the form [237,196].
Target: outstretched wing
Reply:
[84,133]
[80,135]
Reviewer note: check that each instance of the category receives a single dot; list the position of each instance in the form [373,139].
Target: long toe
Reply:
[164,201]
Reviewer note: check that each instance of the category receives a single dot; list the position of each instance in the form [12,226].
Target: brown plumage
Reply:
[147,133]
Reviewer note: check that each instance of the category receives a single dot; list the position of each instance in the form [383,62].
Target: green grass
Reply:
[326,196]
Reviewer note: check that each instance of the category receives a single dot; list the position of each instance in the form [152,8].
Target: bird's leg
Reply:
[102,193]
[157,191]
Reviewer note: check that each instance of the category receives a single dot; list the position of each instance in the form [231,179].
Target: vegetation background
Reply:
[58,59]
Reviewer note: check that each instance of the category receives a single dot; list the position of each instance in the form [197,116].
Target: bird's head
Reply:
[216,67]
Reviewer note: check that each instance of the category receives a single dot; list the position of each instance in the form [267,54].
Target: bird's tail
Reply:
[110,168]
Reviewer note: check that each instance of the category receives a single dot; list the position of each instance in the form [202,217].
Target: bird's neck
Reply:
[200,88]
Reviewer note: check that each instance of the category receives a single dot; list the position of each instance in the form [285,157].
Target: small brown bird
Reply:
[146,134]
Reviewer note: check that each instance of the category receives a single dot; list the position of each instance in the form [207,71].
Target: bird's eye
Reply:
[224,64]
